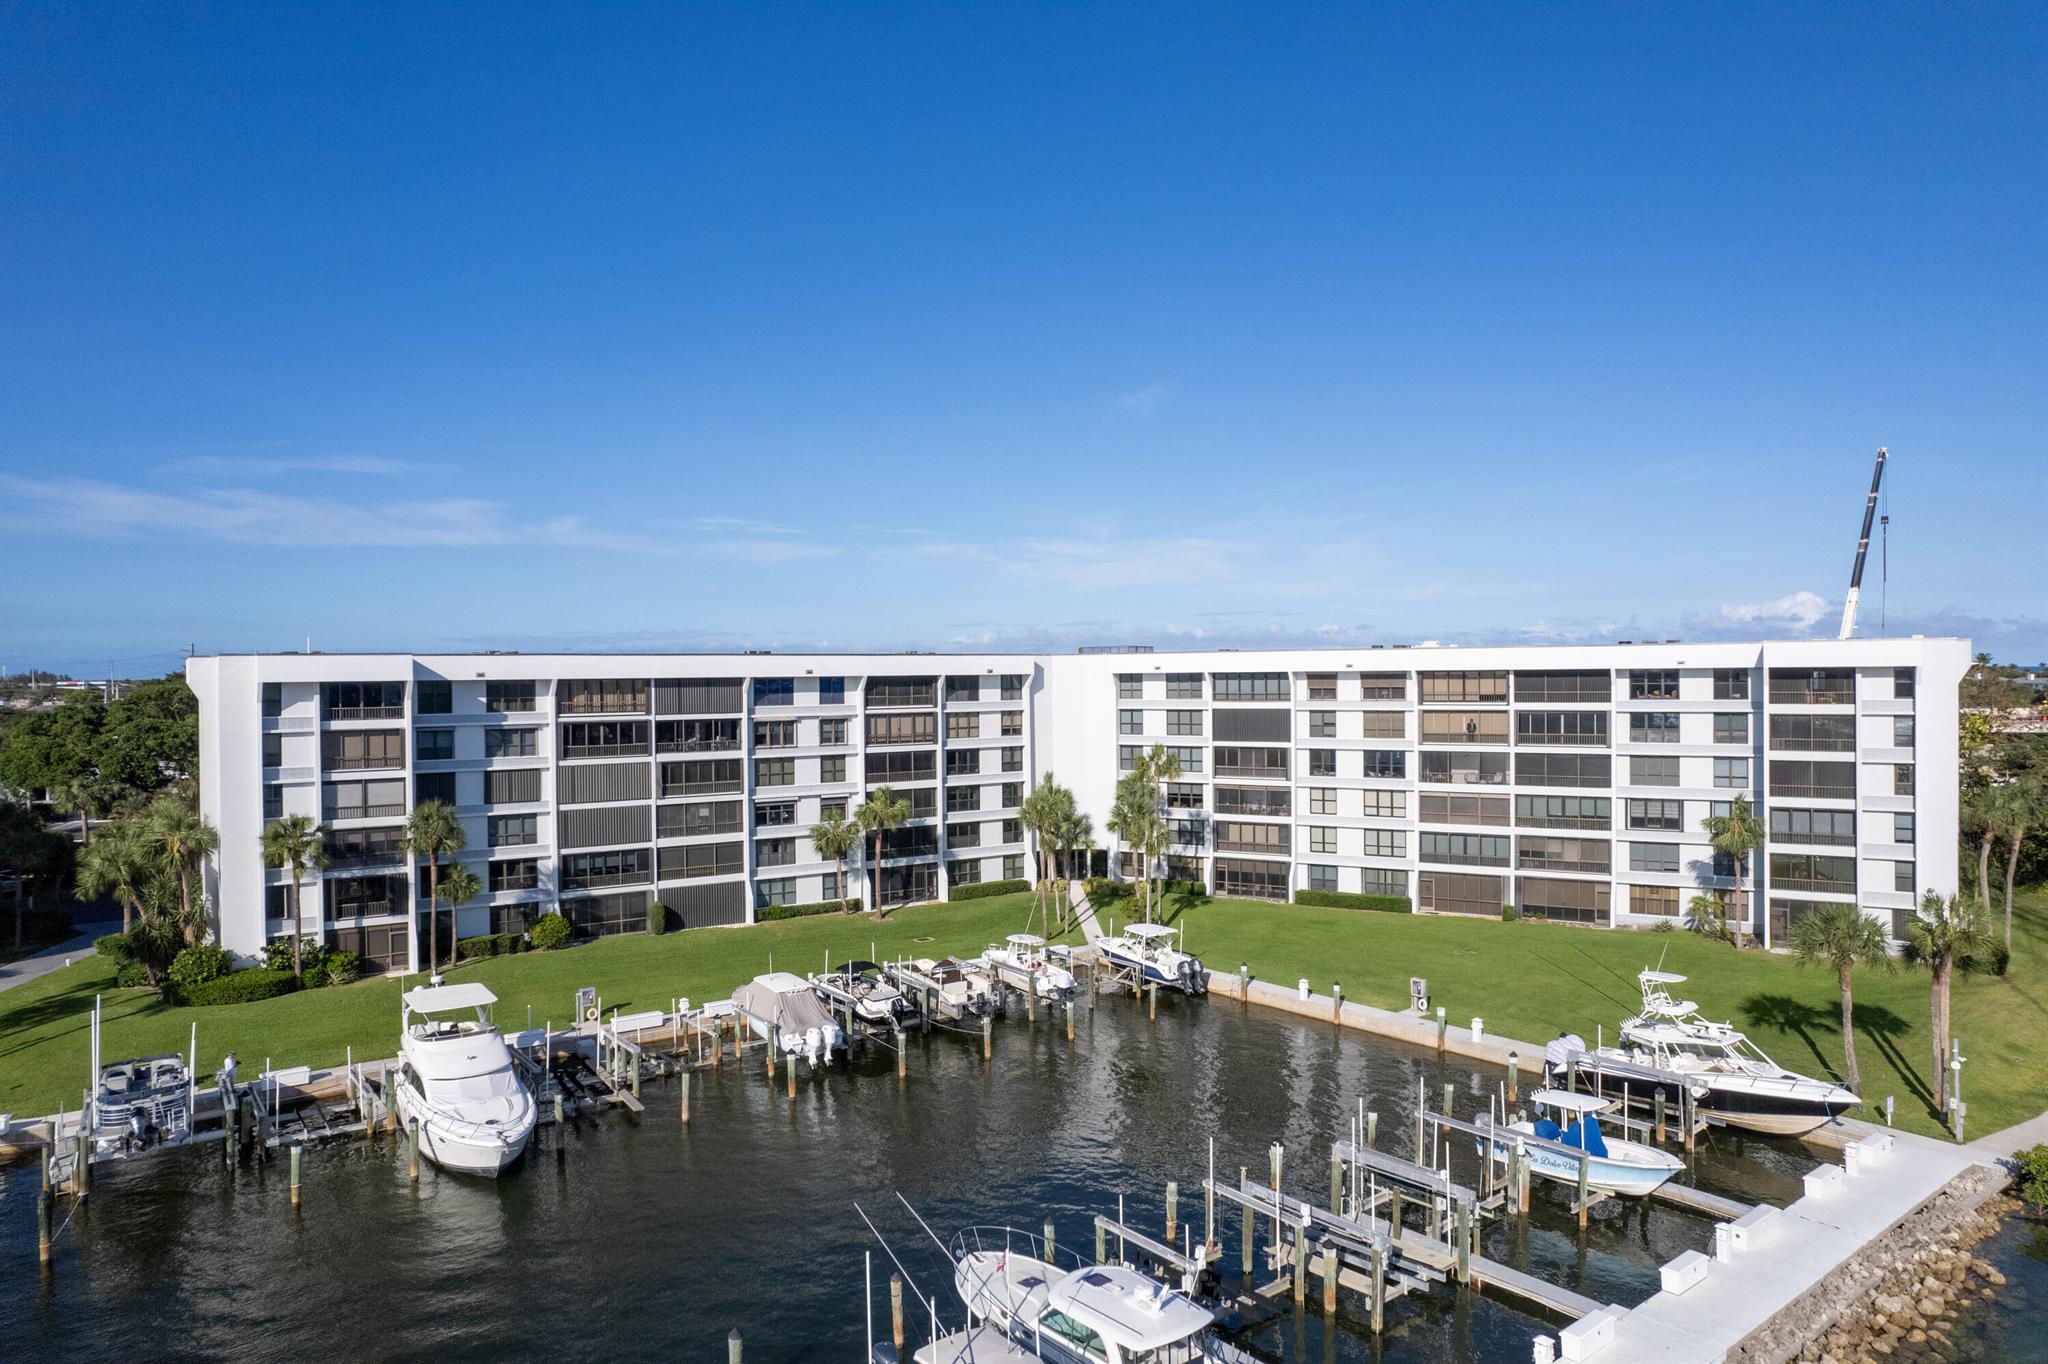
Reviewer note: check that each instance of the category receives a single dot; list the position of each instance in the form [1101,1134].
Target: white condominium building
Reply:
[1569,782]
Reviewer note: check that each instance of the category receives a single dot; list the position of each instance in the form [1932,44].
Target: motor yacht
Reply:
[458,1081]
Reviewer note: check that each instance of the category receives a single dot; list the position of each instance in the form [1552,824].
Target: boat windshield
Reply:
[1179,1352]
[1072,1334]
[495,1084]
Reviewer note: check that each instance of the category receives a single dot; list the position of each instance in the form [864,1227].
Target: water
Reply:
[638,1237]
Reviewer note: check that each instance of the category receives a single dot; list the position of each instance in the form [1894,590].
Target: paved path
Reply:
[2018,1137]
[49,959]
[1077,893]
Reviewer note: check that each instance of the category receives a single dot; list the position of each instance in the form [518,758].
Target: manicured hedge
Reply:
[239,987]
[1101,890]
[490,945]
[1344,899]
[549,931]
[983,889]
[770,913]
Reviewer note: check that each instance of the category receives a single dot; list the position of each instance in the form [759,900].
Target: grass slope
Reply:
[45,1039]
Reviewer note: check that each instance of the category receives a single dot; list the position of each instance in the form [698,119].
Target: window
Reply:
[1565,687]
[1322,800]
[963,725]
[774,852]
[1538,853]
[1584,728]
[273,801]
[963,835]
[888,768]
[520,875]
[706,776]
[1391,764]
[692,861]
[1251,880]
[1478,850]
[919,841]
[508,698]
[1812,871]
[435,786]
[1540,768]
[771,813]
[1454,687]
[832,732]
[1384,804]
[607,697]
[1013,724]
[1184,795]
[1813,780]
[1385,842]
[1444,892]
[960,799]
[363,847]
[1013,759]
[1902,731]
[1656,814]
[1321,686]
[1274,802]
[363,700]
[1487,769]
[1815,733]
[774,691]
[363,799]
[273,698]
[1130,722]
[273,750]
[1186,833]
[1653,771]
[1184,722]
[1382,686]
[1250,687]
[513,831]
[603,738]
[1013,794]
[832,769]
[433,745]
[1812,686]
[1903,687]
[831,691]
[355,749]
[1566,812]
[1902,828]
[1130,687]
[832,809]
[775,734]
[963,689]
[433,698]
[1902,779]
[1902,877]
[1322,878]
[1384,724]
[511,743]
[365,897]
[774,771]
[697,736]
[1658,900]
[1382,881]
[1653,685]
[1656,857]
[1322,762]
[697,821]
[963,762]
[1011,686]
[1232,836]
[911,727]
[1322,724]
[1731,727]
[1183,686]
[780,890]
[1731,684]
[1571,901]
[586,871]
[1732,773]
[1653,727]
[1482,810]
[1834,828]
[1013,830]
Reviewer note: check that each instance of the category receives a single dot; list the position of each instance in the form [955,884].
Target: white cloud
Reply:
[223,466]
[1149,398]
[764,551]
[739,525]
[1800,610]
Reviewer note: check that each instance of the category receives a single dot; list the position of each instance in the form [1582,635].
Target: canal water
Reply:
[636,1237]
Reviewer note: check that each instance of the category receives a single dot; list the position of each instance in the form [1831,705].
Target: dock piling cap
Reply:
[434,999]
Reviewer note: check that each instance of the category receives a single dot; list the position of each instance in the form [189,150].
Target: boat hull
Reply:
[1603,1175]
[1774,1118]
[460,1152]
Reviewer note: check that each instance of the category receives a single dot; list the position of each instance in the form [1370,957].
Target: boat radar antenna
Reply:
[1862,550]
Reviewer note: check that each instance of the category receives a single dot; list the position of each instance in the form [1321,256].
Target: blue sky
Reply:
[1013,325]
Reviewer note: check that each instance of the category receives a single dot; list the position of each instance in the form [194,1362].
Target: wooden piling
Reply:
[81,1178]
[1248,1229]
[43,1197]
[1514,1078]
[987,1038]
[1688,1119]
[902,1059]
[1522,1180]
[1329,1278]
[1152,1001]
[1102,1245]
[1372,1131]
[1172,1211]
[733,1346]
[895,1312]
[1464,1234]
[1394,1212]
[1379,1289]
[792,1077]
[298,1153]
[1276,1153]
[683,1098]
[1050,1247]
[1300,1269]
[413,1148]
[558,1107]
[1070,1020]
[1657,1112]
[1336,1180]
[1585,1167]
[46,1164]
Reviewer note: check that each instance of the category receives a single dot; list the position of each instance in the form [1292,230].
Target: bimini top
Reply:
[1150,931]
[1565,1099]
[1661,978]
[1127,1309]
[441,999]
[1026,940]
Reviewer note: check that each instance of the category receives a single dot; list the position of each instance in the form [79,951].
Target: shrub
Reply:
[981,890]
[1508,914]
[2032,1166]
[115,946]
[1102,891]
[657,917]
[343,967]
[1344,899]
[200,963]
[131,974]
[549,931]
[472,949]
[277,955]
[770,913]
[238,987]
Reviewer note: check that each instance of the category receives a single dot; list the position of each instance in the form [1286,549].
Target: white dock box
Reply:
[1749,1229]
[1587,1336]
[1823,1180]
[1684,1272]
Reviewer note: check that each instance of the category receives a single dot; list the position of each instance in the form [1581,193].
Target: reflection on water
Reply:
[641,1237]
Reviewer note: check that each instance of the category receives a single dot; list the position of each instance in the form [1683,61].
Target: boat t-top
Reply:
[1743,1087]
[1022,964]
[873,999]
[457,1079]
[1153,951]
[1568,1120]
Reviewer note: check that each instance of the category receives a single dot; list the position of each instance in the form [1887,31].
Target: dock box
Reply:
[1587,1336]
[1749,1229]
[1684,1272]
[1823,1180]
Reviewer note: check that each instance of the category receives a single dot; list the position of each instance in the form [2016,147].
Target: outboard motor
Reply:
[1193,978]
[1557,1052]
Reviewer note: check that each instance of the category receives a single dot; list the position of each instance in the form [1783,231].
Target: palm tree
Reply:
[1945,934]
[2020,806]
[182,839]
[1844,937]
[1042,812]
[1981,814]
[116,865]
[1075,834]
[1131,817]
[834,837]
[459,886]
[1736,835]
[1161,765]
[431,831]
[297,843]
[77,793]
[881,811]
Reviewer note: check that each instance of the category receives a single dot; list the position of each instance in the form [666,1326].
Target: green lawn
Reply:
[44,1034]
[1526,980]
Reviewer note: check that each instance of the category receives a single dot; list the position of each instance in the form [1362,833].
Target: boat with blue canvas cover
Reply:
[1612,1165]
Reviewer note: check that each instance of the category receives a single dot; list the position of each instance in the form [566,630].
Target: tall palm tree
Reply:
[432,831]
[1041,813]
[1945,934]
[2021,806]
[834,837]
[1161,765]
[881,811]
[458,887]
[295,842]
[1131,817]
[183,840]
[1843,937]
[1075,833]
[1981,815]
[116,865]
[78,794]
[1736,835]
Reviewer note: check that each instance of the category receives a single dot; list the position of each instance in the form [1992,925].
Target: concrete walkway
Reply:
[2018,1137]
[1077,895]
[49,959]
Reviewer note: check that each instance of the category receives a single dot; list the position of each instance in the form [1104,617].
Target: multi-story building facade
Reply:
[1570,782]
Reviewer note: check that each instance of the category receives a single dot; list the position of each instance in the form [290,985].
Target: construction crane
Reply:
[1862,549]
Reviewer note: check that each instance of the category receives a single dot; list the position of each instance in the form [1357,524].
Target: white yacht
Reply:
[783,1011]
[1154,952]
[963,986]
[1080,1314]
[875,999]
[1022,964]
[1612,1165]
[1742,1086]
[457,1079]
